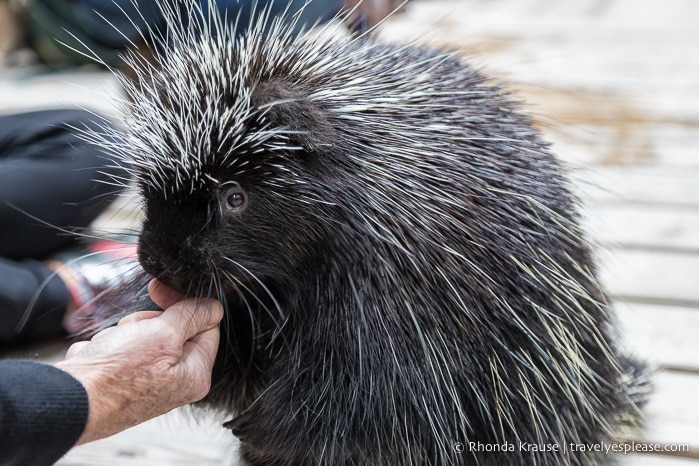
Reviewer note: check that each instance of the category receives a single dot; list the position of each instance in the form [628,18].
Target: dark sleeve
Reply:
[43,412]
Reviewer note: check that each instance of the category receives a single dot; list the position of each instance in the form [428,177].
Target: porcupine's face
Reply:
[226,152]
[243,215]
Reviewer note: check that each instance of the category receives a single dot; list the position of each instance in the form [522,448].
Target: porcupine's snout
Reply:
[171,269]
[173,248]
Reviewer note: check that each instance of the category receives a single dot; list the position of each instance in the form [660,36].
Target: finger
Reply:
[163,295]
[76,348]
[200,351]
[203,347]
[192,316]
[198,358]
[141,315]
[102,333]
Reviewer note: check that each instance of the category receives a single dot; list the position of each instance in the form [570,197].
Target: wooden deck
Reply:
[614,84]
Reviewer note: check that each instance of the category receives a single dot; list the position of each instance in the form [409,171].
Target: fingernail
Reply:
[216,312]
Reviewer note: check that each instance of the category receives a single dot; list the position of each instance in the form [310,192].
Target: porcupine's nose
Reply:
[156,266]
[177,263]
[177,283]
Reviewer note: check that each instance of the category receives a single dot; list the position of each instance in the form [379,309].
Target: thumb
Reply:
[193,316]
[163,295]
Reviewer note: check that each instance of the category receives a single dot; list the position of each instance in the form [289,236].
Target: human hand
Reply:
[149,364]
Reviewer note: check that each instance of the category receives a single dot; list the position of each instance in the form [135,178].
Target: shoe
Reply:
[105,282]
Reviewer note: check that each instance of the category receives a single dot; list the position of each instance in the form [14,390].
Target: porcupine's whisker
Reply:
[279,321]
[32,303]
[278,308]
[254,327]
[72,232]
[204,291]
[132,292]
[109,140]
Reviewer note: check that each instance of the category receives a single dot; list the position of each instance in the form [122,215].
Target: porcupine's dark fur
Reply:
[397,250]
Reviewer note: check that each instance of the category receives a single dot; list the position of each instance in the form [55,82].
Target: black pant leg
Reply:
[48,172]
[29,290]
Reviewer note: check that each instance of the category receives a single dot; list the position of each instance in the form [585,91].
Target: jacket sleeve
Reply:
[43,412]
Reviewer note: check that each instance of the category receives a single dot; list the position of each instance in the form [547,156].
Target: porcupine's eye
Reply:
[233,199]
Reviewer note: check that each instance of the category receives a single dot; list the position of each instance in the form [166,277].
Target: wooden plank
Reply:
[661,335]
[626,142]
[528,18]
[650,186]
[524,23]
[177,438]
[639,226]
[664,15]
[619,132]
[655,460]
[650,277]
[673,411]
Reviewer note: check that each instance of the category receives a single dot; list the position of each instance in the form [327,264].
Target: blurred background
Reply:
[613,84]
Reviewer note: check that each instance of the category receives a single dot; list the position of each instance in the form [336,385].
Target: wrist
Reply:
[106,408]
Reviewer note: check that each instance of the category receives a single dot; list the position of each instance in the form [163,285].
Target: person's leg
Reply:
[77,291]
[50,181]
[33,301]
[305,13]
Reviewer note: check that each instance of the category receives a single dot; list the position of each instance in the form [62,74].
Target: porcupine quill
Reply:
[398,252]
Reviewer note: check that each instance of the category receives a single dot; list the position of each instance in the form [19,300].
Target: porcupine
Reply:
[398,252]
